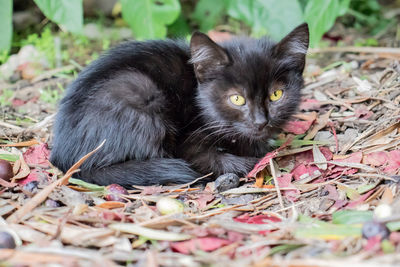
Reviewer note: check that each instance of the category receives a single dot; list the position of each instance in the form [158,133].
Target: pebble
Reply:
[226,181]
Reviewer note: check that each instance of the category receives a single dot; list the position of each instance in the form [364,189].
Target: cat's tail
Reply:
[146,172]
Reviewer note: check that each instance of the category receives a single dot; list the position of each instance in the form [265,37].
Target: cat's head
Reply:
[249,87]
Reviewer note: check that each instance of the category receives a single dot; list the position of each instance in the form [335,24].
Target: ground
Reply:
[327,196]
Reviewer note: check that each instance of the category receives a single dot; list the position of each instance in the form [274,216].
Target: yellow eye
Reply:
[276,95]
[237,100]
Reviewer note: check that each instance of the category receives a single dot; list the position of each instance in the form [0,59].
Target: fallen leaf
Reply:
[322,121]
[297,127]
[393,162]
[319,158]
[310,104]
[203,244]
[264,162]
[375,159]
[111,205]
[38,156]
[148,232]
[258,219]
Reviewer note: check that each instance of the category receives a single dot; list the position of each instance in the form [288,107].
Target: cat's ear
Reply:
[294,46]
[206,55]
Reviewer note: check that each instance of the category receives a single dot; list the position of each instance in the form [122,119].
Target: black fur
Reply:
[163,108]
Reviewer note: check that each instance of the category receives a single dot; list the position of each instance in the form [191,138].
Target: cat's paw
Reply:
[226,181]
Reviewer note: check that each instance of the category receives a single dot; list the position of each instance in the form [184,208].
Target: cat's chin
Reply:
[259,136]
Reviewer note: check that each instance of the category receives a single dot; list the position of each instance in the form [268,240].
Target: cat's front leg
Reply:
[219,162]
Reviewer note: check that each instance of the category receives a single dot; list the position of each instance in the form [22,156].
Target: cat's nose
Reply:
[261,125]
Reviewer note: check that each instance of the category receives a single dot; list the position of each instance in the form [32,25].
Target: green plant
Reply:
[5,97]
[6,25]
[150,19]
[50,96]
[153,17]
[44,43]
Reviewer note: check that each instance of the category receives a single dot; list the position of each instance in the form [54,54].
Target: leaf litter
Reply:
[333,177]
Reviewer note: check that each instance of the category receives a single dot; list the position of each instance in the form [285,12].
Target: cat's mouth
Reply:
[256,134]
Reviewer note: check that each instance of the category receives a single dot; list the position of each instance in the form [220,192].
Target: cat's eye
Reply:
[276,95]
[237,100]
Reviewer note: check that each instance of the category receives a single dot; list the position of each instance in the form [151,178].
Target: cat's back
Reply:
[156,58]
[129,96]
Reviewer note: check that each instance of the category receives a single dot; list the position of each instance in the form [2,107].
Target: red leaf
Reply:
[352,158]
[376,158]
[308,104]
[332,192]
[16,102]
[297,127]
[285,180]
[302,169]
[373,244]
[258,219]
[35,175]
[235,236]
[264,162]
[202,243]
[363,113]
[393,162]
[326,152]
[37,156]
[359,201]
[202,199]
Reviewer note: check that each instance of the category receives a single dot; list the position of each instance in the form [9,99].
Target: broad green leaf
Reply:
[351,216]
[148,18]
[68,14]
[6,25]
[273,17]
[316,229]
[208,12]
[321,15]
[9,157]
[180,28]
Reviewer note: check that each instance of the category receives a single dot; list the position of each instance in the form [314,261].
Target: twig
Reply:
[278,191]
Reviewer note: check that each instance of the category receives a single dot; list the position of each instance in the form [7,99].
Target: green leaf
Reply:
[9,157]
[67,14]
[180,28]
[387,247]
[316,229]
[285,248]
[208,13]
[321,15]
[393,226]
[92,187]
[148,18]
[351,216]
[6,25]
[273,17]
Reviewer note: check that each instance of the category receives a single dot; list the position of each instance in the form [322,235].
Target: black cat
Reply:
[171,112]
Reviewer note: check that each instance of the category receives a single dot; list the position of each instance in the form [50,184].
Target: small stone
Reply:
[372,228]
[383,211]
[167,205]
[31,187]
[7,240]
[50,203]
[226,181]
